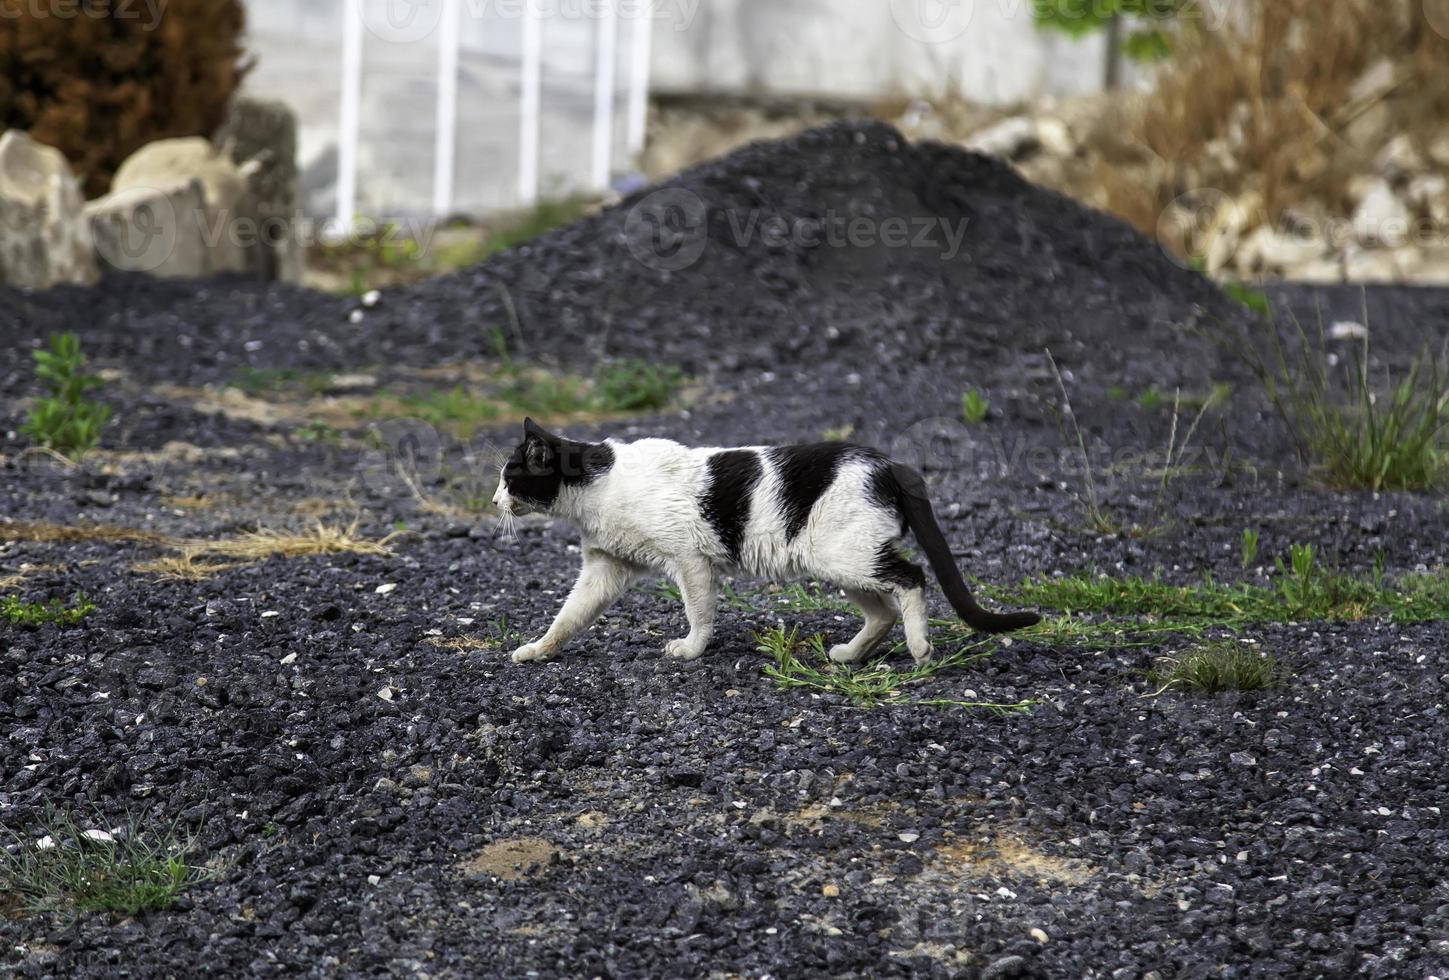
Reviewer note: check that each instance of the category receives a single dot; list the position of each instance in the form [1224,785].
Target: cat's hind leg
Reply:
[602,580]
[907,582]
[880,614]
[698,588]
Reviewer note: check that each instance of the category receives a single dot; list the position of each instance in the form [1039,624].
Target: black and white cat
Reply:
[830,511]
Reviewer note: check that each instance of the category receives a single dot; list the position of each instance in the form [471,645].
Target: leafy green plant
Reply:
[801,662]
[37,614]
[1222,665]
[1361,434]
[1150,40]
[129,871]
[1249,546]
[1307,590]
[974,407]
[66,420]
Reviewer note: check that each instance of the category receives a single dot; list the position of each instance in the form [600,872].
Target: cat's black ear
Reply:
[532,428]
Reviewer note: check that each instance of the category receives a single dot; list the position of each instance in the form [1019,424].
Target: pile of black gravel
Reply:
[349,776]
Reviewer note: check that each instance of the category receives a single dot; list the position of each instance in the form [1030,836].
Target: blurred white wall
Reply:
[989,51]
[986,50]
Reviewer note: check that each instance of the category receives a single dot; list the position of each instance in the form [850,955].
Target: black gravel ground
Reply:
[364,794]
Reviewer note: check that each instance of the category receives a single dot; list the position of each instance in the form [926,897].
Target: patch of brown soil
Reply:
[511,858]
[1013,856]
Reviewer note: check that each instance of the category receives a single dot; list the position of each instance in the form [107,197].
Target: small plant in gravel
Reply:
[1221,665]
[1248,547]
[130,871]
[974,407]
[66,420]
[36,614]
[801,662]
[1310,591]
[1358,431]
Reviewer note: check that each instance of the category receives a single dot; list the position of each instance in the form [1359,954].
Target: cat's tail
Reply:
[916,506]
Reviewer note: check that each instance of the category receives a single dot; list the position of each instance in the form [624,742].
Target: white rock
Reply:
[1381,218]
[385,694]
[44,237]
[157,229]
[373,880]
[45,843]
[385,588]
[355,316]
[1055,138]
[229,228]
[103,836]
[908,836]
[1010,139]
[290,658]
[1398,159]
[1039,935]
[370,298]
[1347,330]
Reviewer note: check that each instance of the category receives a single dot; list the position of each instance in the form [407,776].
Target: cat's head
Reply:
[542,465]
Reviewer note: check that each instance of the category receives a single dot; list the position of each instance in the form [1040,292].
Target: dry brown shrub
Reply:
[1264,106]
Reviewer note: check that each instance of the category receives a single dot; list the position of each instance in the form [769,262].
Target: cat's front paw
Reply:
[682,650]
[844,653]
[922,655]
[530,651]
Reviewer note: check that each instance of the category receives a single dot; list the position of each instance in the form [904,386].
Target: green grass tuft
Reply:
[1359,432]
[801,662]
[54,612]
[617,388]
[1304,591]
[90,871]
[1222,665]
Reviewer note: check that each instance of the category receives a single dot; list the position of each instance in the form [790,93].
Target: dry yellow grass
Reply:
[1263,107]
[462,643]
[72,534]
[321,539]
[183,567]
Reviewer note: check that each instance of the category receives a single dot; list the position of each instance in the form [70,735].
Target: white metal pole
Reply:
[529,103]
[350,116]
[446,137]
[639,76]
[604,58]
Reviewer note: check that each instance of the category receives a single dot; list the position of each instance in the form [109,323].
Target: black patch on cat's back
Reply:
[805,473]
[733,475]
